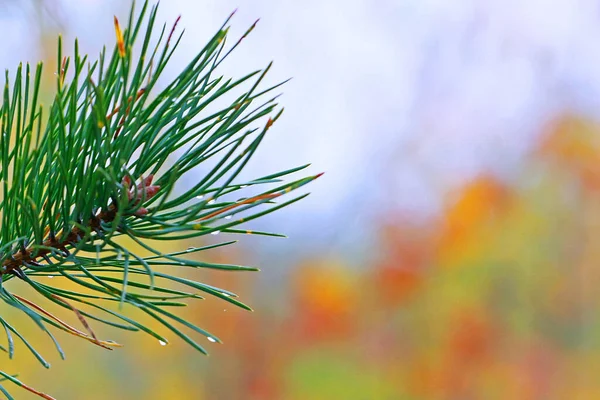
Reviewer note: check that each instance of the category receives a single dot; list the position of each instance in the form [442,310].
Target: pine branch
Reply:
[101,166]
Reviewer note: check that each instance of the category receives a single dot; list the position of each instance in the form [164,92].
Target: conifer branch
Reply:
[101,164]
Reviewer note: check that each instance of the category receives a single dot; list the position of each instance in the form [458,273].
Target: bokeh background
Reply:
[452,249]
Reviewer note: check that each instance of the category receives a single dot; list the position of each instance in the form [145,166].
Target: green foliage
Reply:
[102,162]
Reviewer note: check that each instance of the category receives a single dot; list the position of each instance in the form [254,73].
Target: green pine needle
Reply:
[100,164]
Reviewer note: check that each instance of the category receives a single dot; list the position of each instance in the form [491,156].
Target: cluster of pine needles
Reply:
[100,164]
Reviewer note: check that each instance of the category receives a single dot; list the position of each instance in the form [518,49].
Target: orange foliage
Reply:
[479,203]
[574,144]
[396,284]
[406,255]
[324,297]
[471,338]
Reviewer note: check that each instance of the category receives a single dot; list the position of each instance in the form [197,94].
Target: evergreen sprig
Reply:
[101,164]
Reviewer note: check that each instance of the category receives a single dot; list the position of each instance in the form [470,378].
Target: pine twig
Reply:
[100,164]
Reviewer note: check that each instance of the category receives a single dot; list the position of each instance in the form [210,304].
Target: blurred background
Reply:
[452,249]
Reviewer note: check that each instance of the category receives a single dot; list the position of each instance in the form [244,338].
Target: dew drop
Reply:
[226,294]
[215,232]
[50,276]
[162,343]
[189,249]
[213,201]
[200,197]
[229,217]
[243,186]
[212,339]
